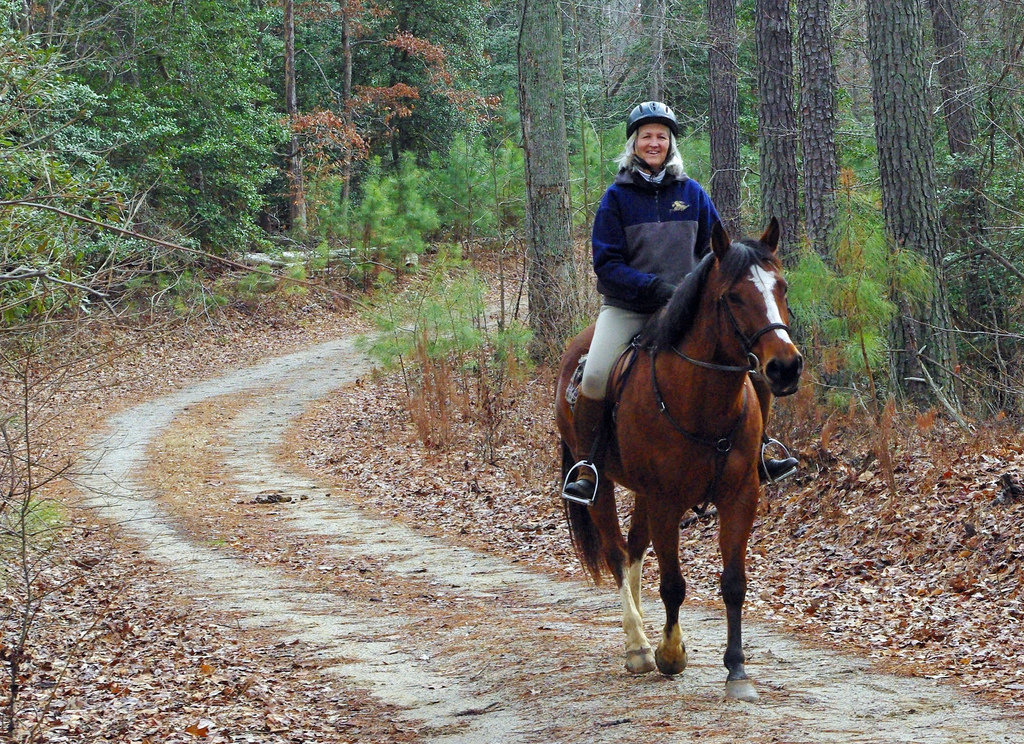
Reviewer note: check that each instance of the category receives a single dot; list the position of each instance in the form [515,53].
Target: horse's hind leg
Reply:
[639,657]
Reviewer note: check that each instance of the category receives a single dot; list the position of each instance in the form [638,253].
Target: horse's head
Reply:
[751,297]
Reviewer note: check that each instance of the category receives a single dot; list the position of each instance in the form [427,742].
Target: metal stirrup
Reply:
[768,442]
[597,480]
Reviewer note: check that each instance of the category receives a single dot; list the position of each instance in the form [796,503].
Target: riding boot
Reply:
[588,422]
[772,470]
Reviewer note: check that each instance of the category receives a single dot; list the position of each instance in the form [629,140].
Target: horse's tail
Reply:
[585,539]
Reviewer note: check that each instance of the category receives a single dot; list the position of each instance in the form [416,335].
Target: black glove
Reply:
[661,291]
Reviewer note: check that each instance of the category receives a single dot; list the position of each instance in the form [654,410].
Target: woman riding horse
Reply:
[652,227]
[687,431]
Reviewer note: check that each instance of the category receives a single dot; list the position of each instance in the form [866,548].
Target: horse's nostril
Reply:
[784,371]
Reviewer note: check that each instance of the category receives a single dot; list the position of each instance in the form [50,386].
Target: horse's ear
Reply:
[771,235]
[719,240]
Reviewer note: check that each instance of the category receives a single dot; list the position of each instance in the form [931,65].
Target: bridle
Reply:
[753,363]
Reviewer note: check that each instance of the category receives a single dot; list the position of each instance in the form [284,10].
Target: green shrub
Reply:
[843,305]
[255,283]
[453,361]
[393,218]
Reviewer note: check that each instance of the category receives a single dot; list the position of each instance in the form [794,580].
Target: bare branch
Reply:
[43,274]
[942,398]
[999,259]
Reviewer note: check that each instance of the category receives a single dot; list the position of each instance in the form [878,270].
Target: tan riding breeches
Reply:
[614,330]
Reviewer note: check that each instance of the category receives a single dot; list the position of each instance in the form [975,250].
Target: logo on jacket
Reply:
[680,206]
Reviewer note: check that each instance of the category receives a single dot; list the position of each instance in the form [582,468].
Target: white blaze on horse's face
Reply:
[765,281]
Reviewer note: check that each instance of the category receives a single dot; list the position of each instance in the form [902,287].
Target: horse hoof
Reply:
[741,689]
[640,661]
[670,667]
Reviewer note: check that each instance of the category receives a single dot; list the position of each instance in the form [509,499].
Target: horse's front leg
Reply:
[639,655]
[639,658]
[671,652]
[736,518]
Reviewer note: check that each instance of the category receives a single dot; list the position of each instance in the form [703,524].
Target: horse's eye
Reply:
[734,298]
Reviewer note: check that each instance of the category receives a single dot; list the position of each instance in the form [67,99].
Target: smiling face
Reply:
[652,143]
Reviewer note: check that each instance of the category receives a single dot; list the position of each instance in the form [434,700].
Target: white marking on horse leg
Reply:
[633,575]
[765,281]
[632,620]
[639,656]
[673,639]
[672,644]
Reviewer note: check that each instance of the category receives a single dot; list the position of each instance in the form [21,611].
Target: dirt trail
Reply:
[475,649]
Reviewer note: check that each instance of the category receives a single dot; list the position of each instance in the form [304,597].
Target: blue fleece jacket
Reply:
[646,234]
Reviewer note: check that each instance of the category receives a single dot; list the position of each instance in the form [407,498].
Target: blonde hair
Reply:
[673,161]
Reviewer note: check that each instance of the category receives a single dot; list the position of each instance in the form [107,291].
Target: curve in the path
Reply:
[515,656]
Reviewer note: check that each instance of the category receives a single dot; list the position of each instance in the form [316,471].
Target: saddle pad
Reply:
[572,392]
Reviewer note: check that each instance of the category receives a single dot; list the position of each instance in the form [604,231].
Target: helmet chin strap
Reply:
[640,162]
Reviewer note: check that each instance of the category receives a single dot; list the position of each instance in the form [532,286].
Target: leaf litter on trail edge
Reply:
[839,557]
[144,663]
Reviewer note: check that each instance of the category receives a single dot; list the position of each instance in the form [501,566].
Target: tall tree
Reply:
[965,216]
[296,189]
[954,88]
[817,121]
[546,151]
[906,167]
[435,44]
[186,119]
[777,133]
[656,14]
[346,92]
[724,113]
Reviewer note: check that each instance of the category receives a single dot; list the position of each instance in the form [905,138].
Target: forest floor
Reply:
[272,555]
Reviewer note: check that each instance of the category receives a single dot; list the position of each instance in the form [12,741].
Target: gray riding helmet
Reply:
[651,112]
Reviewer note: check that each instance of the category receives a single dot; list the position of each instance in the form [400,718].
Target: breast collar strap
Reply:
[722,445]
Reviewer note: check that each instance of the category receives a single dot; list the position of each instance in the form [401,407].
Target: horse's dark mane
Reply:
[668,328]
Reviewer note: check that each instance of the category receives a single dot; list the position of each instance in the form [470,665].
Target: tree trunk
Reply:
[724,113]
[346,95]
[966,214]
[49,16]
[582,109]
[657,34]
[297,196]
[546,150]
[818,122]
[777,119]
[905,160]
[954,80]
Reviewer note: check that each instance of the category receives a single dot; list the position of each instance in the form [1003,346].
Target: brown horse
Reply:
[687,430]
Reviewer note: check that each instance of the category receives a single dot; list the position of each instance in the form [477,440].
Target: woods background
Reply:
[885,135]
[172,163]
